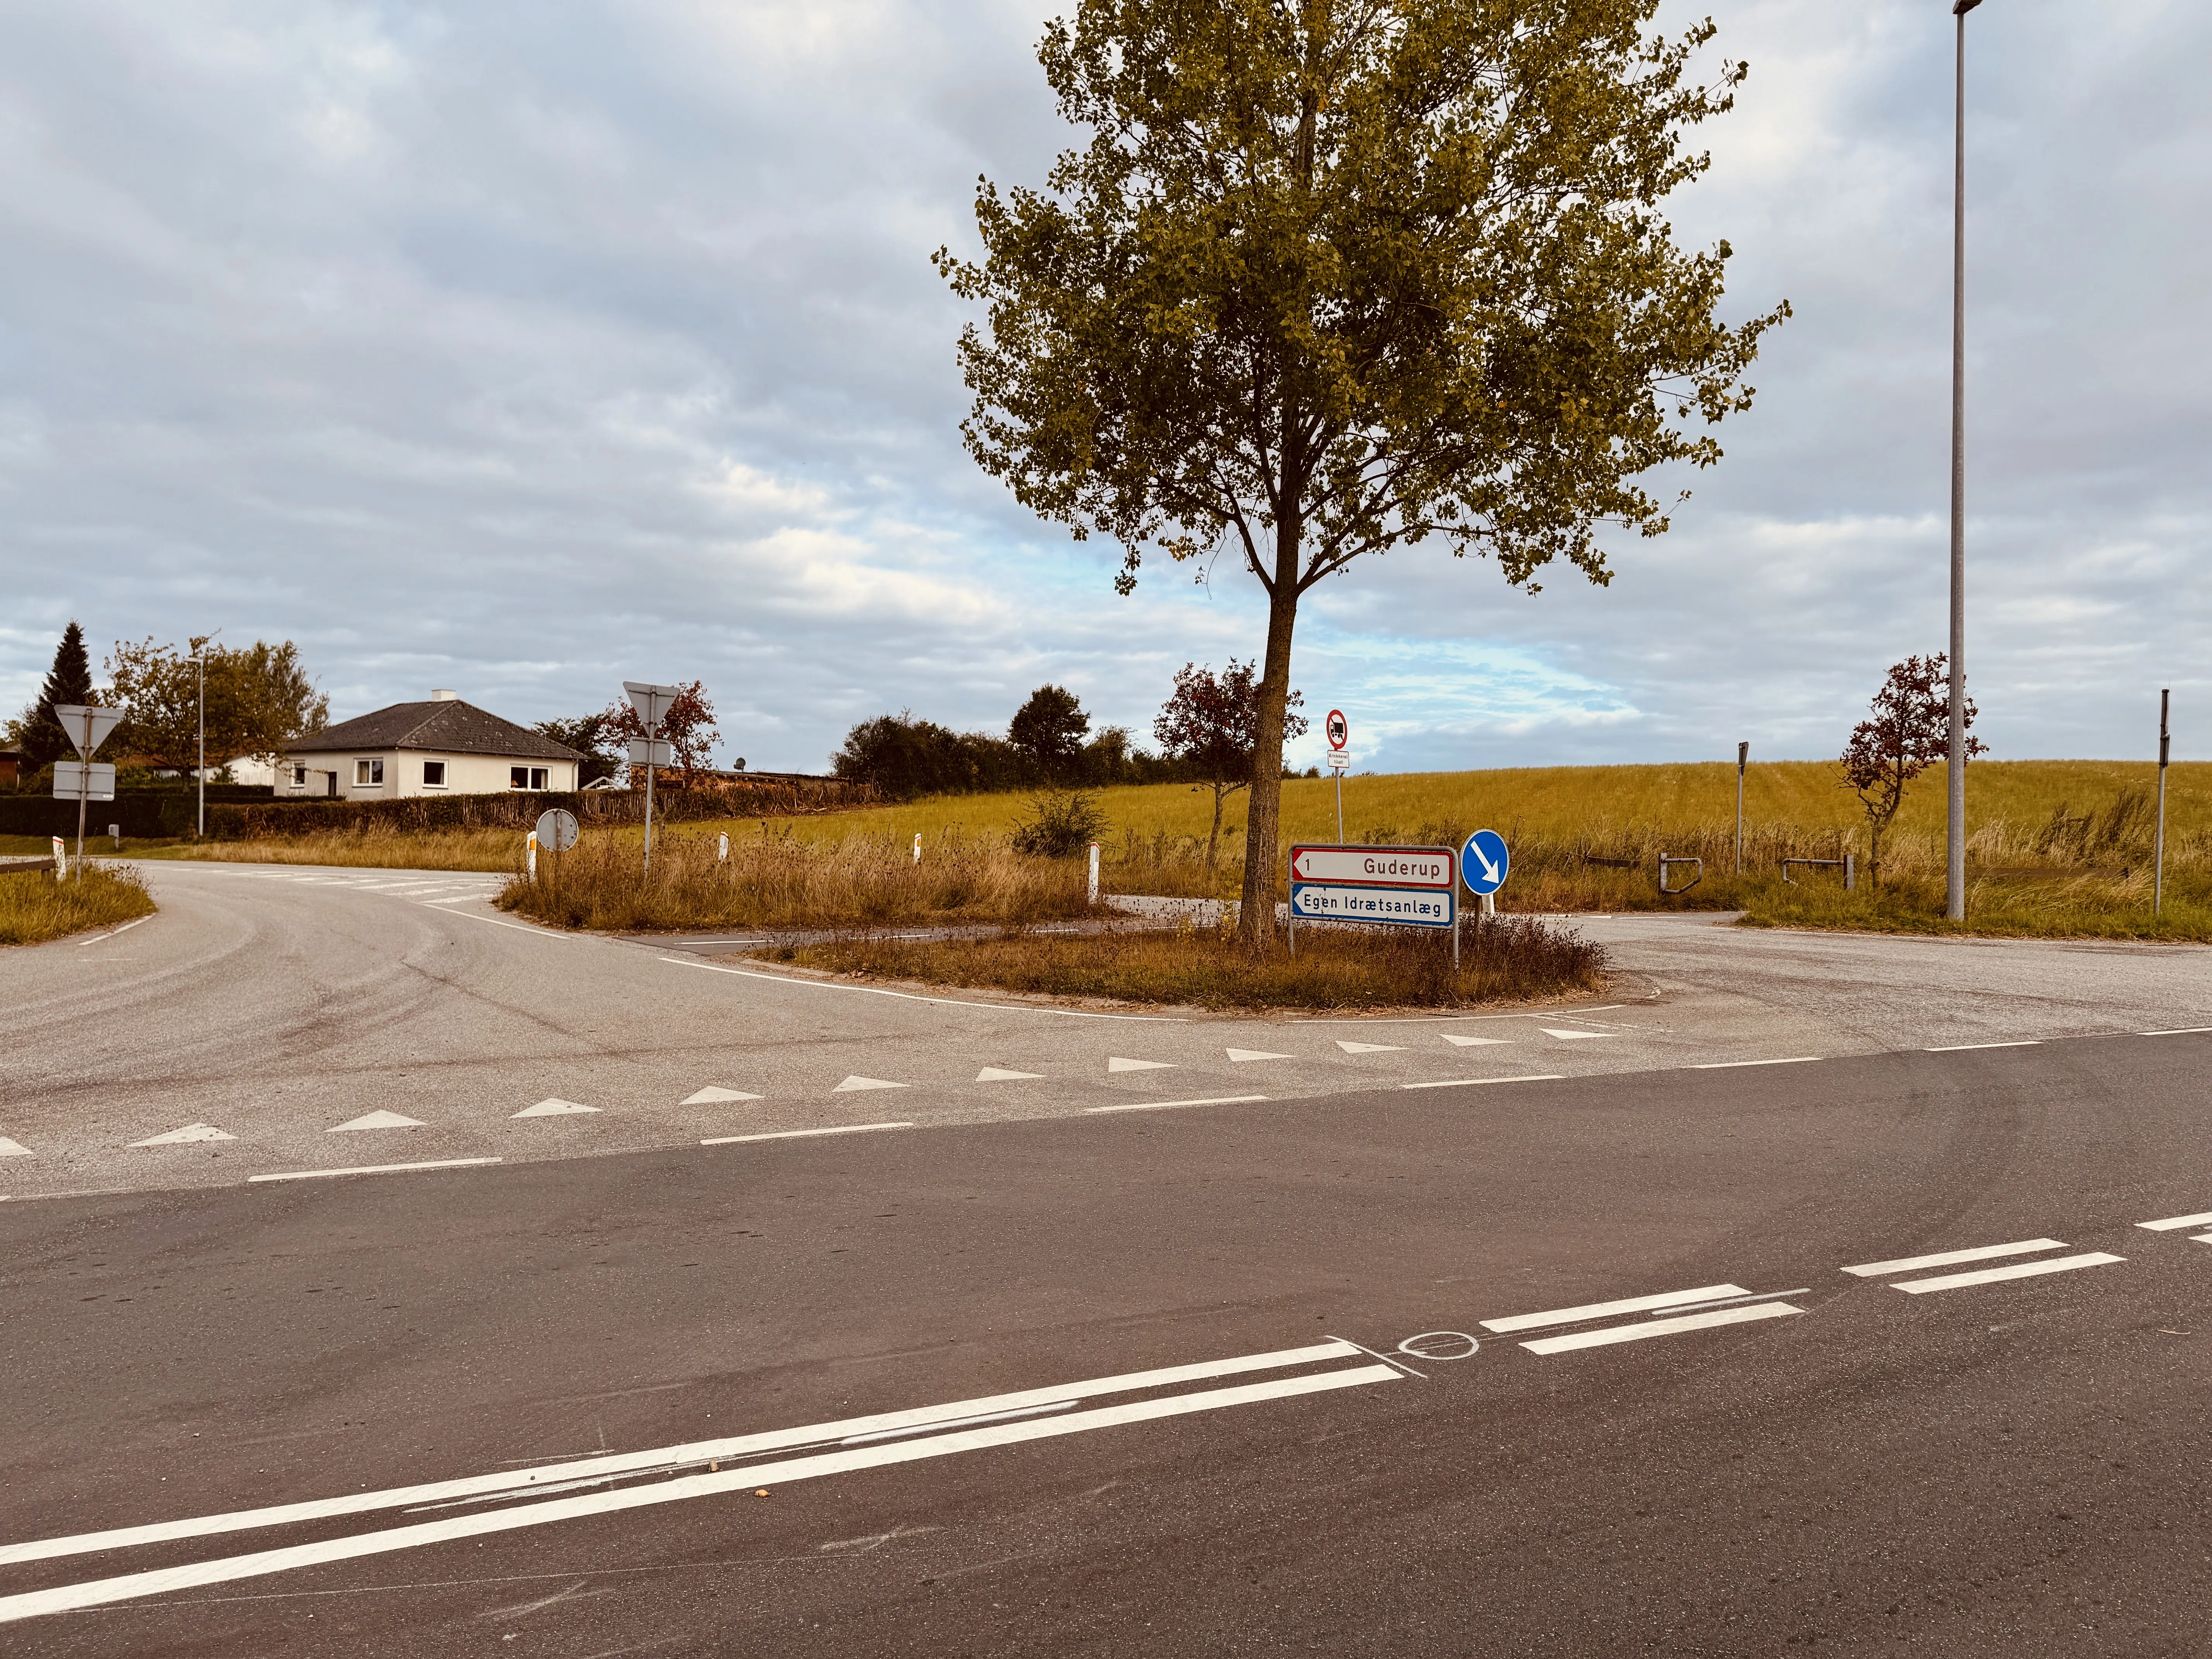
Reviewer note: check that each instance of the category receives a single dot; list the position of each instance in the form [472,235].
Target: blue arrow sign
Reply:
[1483,861]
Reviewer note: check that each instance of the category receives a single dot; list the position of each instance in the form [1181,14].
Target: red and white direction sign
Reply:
[1374,867]
[1337,728]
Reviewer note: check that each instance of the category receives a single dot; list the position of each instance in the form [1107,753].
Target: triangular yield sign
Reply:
[1571,1036]
[1241,1055]
[189,1132]
[554,1108]
[993,1074]
[1368,1047]
[13,1148]
[853,1084]
[1115,1063]
[709,1094]
[1458,1042]
[378,1120]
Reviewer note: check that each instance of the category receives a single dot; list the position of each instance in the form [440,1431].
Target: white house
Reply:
[441,747]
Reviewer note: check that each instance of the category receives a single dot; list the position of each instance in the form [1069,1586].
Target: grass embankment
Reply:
[373,846]
[1510,958]
[35,908]
[776,881]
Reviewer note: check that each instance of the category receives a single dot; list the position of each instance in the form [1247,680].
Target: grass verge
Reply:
[374,846]
[1510,958]
[35,908]
[2057,907]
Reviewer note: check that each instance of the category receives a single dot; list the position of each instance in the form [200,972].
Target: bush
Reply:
[1060,826]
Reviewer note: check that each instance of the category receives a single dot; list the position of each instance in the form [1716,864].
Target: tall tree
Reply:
[1330,277]
[1910,731]
[1211,722]
[258,700]
[1048,730]
[37,733]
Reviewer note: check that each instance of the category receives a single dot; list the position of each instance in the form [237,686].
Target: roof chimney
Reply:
[440,695]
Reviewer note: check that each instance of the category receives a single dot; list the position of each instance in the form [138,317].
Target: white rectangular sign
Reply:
[645,752]
[1384,866]
[97,780]
[1416,907]
[1338,761]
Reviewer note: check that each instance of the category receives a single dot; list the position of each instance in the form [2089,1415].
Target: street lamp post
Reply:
[199,775]
[1954,843]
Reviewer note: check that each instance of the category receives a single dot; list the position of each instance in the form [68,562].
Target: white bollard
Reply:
[532,845]
[61,858]
[1094,873]
[722,849]
[917,846]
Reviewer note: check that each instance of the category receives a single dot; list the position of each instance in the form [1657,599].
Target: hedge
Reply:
[768,796]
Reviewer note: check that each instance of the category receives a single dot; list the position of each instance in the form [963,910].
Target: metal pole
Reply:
[83,789]
[1954,829]
[1339,806]
[2165,751]
[1742,756]
[651,737]
[199,832]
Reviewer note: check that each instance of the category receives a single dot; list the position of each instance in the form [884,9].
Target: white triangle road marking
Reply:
[1115,1063]
[993,1074]
[191,1131]
[377,1120]
[13,1148]
[554,1107]
[711,1094]
[1240,1055]
[854,1084]
[1570,1037]
[1458,1042]
[1368,1047]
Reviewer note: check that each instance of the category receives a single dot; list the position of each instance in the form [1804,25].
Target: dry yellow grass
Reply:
[35,908]
[372,845]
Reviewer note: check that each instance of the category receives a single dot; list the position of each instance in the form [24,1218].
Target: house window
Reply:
[433,774]
[527,777]
[367,773]
[299,777]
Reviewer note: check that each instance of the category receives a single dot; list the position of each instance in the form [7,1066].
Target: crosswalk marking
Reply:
[1948,1258]
[1650,1327]
[1604,1310]
[2175,1224]
[2018,1270]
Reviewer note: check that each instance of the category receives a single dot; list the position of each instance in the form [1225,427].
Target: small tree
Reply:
[259,699]
[592,735]
[1211,724]
[1049,729]
[1910,731]
[688,728]
[36,731]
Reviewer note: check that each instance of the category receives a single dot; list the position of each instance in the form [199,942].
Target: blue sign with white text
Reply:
[1483,861]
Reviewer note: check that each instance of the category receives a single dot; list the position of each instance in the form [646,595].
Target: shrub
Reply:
[1060,826]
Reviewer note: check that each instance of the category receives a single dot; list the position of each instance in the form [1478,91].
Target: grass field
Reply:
[34,907]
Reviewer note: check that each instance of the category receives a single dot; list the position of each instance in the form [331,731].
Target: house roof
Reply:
[447,725]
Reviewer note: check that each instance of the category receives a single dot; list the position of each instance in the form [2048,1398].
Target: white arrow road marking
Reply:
[13,1148]
[1368,1047]
[191,1131]
[1571,1035]
[1458,1042]
[1115,1063]
[554,1107]
[853,1086]
[1650,1328]
[1240,1055]
[1951,1258]
[993,1074]
[2175,1224]
[711,1095]
[377,1120]
[2018,1270]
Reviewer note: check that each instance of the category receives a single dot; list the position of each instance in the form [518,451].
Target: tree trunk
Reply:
[1263,815]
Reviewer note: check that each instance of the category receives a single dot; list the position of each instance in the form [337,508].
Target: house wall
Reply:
[465,775]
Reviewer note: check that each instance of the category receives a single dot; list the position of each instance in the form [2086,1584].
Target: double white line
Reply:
[1983,1275]
[524,1499]
[1720,1304]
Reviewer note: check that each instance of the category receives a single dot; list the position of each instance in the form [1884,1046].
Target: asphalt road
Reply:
[1036,1378]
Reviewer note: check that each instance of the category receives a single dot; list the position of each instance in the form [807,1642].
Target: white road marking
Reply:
[1459,1041]
[1115,1063]
[2200,1239]
[713,1095]
[2018,1270]
[537,933]
[1162,1105]
[14,1148]
[2175,1224]
[554,1107]
[1650,1327]
[2184,1030]
[1730,1065]
[801,1134]
[853,1085]
[1962,1047]
[994,1074]
[1571,1036]
[164,1580]
[1946,1258]
[99,938]
[1370,1047]
[1606,1310]
[191,1131]
[375,1168]
[1469,1082]
[909,996]
[517,1484]
[380,1119]
[1240,1056]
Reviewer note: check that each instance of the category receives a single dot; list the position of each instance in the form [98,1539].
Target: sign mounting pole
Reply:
[1339,731]
[653,704]
[2164,750]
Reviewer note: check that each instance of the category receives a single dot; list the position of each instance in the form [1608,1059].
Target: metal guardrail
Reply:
[21,866]
[1848,864]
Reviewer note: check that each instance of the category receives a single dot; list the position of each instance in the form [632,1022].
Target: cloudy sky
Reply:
[524,348]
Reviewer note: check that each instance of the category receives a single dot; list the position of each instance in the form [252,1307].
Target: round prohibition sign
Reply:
[1337,728]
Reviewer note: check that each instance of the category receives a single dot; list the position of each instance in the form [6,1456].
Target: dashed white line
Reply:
[2183,1030]
[1730,1065]
[98,938]
[1473,1082]
[375,1168]
[2018,1270]
[1606,1310]
[1162,1105]
[1652,1327]
[1949,1258]
[802,1134]
[1963,1047]
[2175,1224]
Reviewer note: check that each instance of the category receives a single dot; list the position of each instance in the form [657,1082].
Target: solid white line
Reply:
[2184,1030]
[1961,1048]
[509,1483]
[2174,1223]
[1604,1310]
[113,931]
[1650,1327]
[2018,1270]
[374,1168]
[1464,1082]
[1162,1105]
[1730,1065]
[796,1134]
[908,996]
[462,915]
[1945,1258]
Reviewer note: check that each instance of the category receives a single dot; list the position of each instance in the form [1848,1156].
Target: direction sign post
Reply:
[1392,886]
[653,703]
[88,728]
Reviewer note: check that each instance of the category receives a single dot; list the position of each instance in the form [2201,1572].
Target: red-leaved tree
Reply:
[1910,731]
[688,728]
[1212,723]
